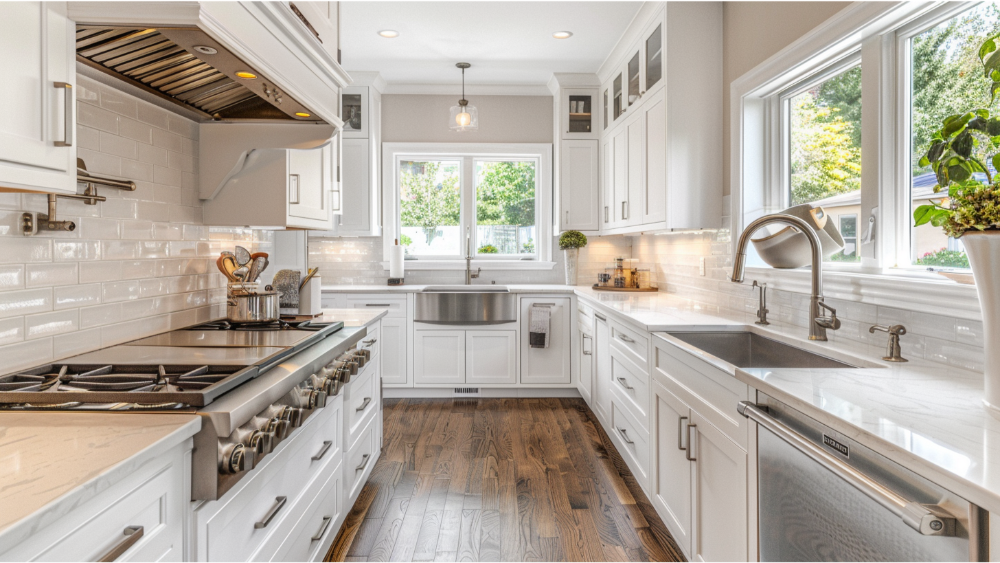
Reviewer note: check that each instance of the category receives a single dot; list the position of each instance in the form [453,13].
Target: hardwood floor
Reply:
[500,480]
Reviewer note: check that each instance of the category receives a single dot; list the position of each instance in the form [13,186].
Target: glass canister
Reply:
[643,278]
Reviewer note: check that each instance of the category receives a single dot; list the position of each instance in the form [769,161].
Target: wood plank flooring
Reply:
[500,480]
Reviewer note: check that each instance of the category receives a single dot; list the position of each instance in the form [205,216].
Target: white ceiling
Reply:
[508,43]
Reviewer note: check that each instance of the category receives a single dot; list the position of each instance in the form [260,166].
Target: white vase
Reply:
[572,256]
[983,249]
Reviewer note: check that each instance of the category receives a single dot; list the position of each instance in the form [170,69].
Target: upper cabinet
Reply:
[663,134]
[577,112]
[38,102]
[322,19]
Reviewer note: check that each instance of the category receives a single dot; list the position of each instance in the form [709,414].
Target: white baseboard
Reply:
[485,393]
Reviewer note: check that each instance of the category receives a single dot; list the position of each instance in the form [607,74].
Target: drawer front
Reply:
[634,343]
[360,459]
[254,511]
[361,400]
[312,534]
[585,314]
[153,499]
[634,387]
[707,389]
[372,340]
[394,304]
[634,440]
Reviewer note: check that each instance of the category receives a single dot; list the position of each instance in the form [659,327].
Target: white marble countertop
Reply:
[352,317]
[414,288]
[54,461]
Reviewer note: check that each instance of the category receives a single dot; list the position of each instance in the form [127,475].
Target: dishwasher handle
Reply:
[928,519]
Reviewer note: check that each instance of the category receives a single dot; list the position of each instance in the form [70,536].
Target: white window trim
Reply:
[392,153]
[755,116]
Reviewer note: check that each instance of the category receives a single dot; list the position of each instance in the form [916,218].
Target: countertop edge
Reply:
[24,528]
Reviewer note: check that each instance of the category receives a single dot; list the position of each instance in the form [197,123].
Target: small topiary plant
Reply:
[572,239]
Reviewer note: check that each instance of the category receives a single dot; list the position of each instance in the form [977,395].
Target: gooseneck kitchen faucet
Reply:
[818,324]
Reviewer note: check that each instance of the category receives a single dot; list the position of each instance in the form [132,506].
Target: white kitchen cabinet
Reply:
[393,342]
[607,171]
[719,493]
[38,103]
[310,174]
[323,18]
[356,187]
[671,474]
[439,356]
[579,186]
[635,160]
[552,364]
[619,178]
[602,368]
[586,361]
[653,206]
[490,356]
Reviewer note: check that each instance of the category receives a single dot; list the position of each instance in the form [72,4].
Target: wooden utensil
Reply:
[229,266]
[312,272]
[258,255]
[222,268]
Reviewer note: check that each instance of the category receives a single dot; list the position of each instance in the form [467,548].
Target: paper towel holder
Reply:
[392,280]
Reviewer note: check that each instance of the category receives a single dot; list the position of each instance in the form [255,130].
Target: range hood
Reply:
[188,68]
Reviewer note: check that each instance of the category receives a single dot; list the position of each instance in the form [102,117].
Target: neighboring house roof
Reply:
[923,188]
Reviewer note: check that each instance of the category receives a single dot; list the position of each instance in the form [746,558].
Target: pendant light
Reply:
[463,116]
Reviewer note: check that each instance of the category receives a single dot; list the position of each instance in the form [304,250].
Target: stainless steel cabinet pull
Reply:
[623,211]
[600,316]
[364,405]
[279,503]
[625,337]
[605,213]
[625,436]
[583,345]
[687,452]
[132,535]
[369,342]
[680,433]
[322,529]
[322,451]
[364,463]
[377,305]
[69,127]
[625,384]
[567,212]
[929,520]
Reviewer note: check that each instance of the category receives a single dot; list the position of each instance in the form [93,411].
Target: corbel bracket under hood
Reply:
[187,67]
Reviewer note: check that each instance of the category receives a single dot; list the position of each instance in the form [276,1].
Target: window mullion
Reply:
[469,205]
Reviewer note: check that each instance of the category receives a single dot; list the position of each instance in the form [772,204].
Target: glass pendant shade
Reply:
[464,118]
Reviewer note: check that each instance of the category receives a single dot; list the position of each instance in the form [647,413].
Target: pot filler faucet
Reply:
[469,276]
[819,324]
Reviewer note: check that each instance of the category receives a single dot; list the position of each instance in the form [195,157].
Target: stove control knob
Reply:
[292,415]
[332,385]
[237,458]
[277,428]
[316,399]
[261,443]
[327,370]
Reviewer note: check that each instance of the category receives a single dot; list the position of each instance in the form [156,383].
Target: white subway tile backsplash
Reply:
[119,146]
[101,119]
[12,277]
[152,115]
[100,315]
[26,354]
[118,209]
[76,296]
[11,330]
[168,231]
[153,155]
[25,302]
[100,271]
[120,291]
[47,275]
[118,102]
[120,249]
[135,130]
[138,172]
[79,342]
[25,249]
[88,138]
[98,229]
[51,324]
[167,140]
[137,230]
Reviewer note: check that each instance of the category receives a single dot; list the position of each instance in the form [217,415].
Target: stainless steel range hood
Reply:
[187,67]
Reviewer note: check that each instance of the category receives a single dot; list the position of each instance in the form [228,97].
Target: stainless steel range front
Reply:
[252,388]
[824,497]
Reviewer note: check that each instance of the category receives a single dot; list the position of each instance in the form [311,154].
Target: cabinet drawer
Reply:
[585,314]
[360,460]
[361,400]
[318,525]
[634,343]
[253,512]
[706,388]
[634,440]
[372,340]
[633,386]
[394,304]
[150,498]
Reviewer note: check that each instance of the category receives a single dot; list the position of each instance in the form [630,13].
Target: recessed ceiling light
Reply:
[246,75]
[389,33]
[562,34]
[302,114]
[206,50]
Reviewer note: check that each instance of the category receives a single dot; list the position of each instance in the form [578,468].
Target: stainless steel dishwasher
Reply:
[824,497]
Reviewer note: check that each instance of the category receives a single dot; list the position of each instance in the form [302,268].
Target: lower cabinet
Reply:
[719,492]
[586,361]
[602,369]
[456,356]
[552,364]
[491,356]
[394,342]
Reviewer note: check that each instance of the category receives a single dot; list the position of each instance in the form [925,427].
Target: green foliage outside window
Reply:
[487,249]
[946,258]
[426,203]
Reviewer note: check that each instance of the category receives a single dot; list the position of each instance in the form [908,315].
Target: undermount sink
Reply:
[465,305]
[746,349]
[466,289]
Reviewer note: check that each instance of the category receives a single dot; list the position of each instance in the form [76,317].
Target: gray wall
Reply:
[412,118]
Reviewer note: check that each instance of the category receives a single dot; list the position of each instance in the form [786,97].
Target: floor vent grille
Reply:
[467,392]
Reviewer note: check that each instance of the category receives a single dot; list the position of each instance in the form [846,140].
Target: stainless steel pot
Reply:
[259,307]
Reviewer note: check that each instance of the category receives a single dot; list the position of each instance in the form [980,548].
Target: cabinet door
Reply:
[354,111]
[632,71]
[606,107]
[617,97]
[619,211]
[607,181]
[356,187]
[552,364]
[654,143]
[37,104]
[602,369]
[579,187]
[652,54]
[439,356]
[579,113]
[719,527]
[491,356]
[634,174]
[309,183]
[671,472]
[586,362]
[393,351]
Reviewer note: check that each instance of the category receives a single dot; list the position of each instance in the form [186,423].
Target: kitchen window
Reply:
[444,198]
[798,128]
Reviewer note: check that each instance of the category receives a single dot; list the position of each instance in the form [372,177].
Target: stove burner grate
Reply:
[255,327]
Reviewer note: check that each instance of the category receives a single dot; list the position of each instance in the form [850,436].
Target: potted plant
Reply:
[970,205]
[570,243]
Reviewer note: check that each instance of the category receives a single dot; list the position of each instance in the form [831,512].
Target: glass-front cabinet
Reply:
[580,120]
[605,109]
[653,60]
[354,112]
[641,71]
[616,88]
[633,79]
[579,111]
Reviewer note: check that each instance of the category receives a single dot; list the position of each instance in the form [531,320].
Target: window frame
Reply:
[468,154]
[755,153]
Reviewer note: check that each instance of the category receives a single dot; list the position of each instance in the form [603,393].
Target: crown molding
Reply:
[470,89]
